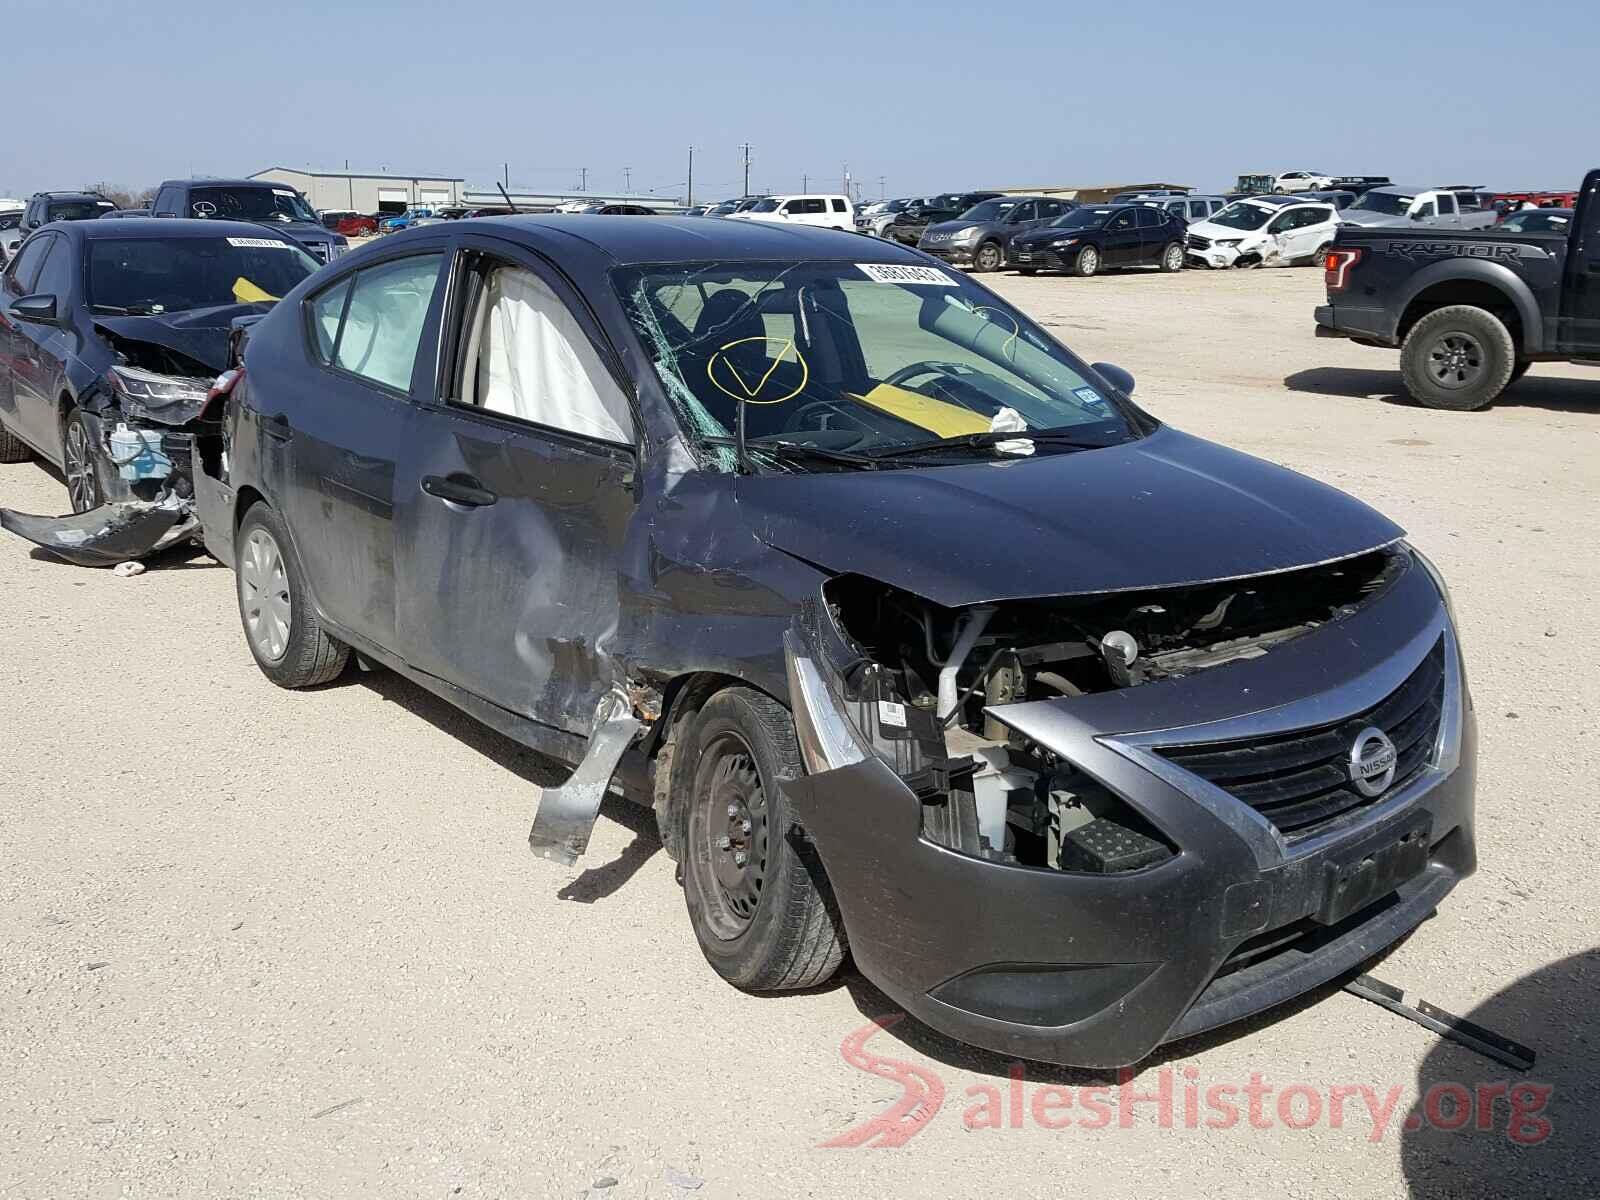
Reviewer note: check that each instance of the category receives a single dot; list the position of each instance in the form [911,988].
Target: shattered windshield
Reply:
[143,276]
[1244,216]
[250,204]
[856,361]
[1388,203]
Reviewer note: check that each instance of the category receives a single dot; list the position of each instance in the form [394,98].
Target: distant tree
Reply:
[114,192]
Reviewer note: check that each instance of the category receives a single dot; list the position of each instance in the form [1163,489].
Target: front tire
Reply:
[12,448]
[1087,263]
[281,626]
[987,257]
[1172,258]
[1458,358]
[759,901]
[79,465]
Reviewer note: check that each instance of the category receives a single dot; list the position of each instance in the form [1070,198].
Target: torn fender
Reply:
[566,814]
[108,535]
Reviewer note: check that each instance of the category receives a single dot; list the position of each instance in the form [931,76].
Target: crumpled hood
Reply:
[199,333]
[1215,232]
[1170,509]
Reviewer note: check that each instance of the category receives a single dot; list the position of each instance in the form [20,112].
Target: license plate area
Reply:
[1355,879]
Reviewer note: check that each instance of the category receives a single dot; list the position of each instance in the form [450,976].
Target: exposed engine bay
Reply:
[921,682]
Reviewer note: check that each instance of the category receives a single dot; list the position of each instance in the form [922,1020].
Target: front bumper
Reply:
[1035,258]
[956,256]
[1214,256]
[1099,970]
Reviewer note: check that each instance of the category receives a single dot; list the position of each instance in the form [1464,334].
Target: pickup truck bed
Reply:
[1469,310]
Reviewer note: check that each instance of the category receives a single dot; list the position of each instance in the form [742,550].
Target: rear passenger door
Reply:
[338,432]
[514,494]
[1153,233]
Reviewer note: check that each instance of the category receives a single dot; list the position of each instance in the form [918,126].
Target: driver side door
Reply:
[1121,239]
[514,494]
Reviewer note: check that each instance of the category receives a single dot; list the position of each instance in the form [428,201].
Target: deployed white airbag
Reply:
[537,363]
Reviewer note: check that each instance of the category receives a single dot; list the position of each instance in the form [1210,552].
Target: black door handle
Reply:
[278,427]
[458,489]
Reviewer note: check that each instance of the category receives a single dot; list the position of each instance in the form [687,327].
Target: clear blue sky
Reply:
[931,95]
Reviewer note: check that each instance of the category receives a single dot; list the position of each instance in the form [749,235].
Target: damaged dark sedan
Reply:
[927,645]
[111,336]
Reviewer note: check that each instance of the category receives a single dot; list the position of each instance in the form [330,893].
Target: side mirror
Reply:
[1115,376]
[41,310]
[1419,216]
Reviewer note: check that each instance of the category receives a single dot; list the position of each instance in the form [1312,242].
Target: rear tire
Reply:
[1087,263]
[12,448]
[281,626]
[1172,258]
[1458,358]
[768,923]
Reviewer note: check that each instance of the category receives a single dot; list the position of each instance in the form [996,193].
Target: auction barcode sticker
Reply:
[895,273]
[260,243]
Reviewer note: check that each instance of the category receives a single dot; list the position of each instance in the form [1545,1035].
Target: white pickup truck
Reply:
[1433,208]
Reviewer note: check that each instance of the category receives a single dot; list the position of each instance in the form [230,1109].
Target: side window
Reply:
[1198,209]
[1049,208]
[812,207]
[1151,218]
[838,206]
[326,310]
[55,279]
[25,266]
[163,201]
[1447,204]
[1121,221]
[524,354]
[1468,201]
[1427,209]
[382,324]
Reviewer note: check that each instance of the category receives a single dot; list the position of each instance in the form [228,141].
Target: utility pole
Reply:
[882,180]
[690,203]
[627,180]
[506,167]
[746,148]
[805,183]
[846,188]
[583,179]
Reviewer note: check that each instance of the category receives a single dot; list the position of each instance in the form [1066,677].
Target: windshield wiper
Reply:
[799,452]
[985,441]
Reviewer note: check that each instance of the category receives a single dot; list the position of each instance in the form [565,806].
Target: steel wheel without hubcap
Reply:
[1456,361]
[728,834]
[83,487]
[264,595]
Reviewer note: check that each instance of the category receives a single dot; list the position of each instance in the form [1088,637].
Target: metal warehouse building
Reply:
[366,191]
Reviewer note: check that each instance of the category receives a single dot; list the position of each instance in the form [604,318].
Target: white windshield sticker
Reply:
[895,273]
[260,243]
[1090,397]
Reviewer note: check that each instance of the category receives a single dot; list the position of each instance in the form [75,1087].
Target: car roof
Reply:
[96,196]
[266,183]
[667,239]
[168,228]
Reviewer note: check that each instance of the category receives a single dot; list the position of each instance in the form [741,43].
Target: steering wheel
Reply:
[797,419]
[926,367]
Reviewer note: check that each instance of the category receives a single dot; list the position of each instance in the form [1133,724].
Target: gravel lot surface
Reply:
[258,943]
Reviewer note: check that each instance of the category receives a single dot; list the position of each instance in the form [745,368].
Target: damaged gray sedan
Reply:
[926,644]
[110,338]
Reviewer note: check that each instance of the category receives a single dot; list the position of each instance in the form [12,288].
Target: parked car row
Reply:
[709,511]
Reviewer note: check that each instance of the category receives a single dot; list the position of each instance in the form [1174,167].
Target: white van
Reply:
[827,211]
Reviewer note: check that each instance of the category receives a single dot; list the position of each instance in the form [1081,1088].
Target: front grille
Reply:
[1300,781]
[1196,242]
[318,251]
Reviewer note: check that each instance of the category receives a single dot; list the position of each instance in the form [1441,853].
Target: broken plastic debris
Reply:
[1009,420]
[126,570]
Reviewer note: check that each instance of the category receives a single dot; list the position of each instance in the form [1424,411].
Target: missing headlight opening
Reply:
[924,684]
